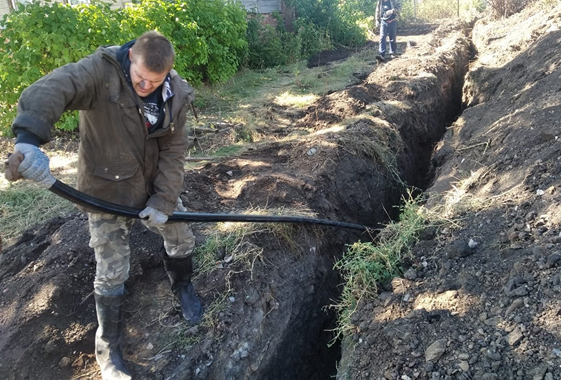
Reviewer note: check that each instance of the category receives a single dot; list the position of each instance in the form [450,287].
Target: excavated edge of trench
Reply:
[436,104]
[441,105]
[417,111]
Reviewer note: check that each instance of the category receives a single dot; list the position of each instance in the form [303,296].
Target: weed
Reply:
[245,133]
[210,316]
[366,264]
[230,245]
[229,150]
[177,338]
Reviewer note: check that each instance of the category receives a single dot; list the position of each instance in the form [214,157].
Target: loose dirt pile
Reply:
[481,299]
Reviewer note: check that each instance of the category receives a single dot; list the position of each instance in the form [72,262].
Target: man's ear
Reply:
[130,54]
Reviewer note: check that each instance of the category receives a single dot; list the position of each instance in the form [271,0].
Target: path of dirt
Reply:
[488,312]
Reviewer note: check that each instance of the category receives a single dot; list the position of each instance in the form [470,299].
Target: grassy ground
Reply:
[24,204]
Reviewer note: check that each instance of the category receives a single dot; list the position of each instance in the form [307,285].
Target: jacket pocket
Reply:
[116,172]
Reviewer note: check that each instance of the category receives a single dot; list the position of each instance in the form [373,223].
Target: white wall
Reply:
[262,6]
[4,7]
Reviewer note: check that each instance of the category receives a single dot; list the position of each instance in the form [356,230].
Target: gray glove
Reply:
[35,165]
[153,217]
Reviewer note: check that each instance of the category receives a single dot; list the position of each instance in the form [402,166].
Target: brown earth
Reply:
[480,299]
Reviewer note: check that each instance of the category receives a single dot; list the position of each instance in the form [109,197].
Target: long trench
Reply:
[409,114]
[435,105]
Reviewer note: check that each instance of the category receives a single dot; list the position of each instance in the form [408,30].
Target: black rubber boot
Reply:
[108,338]
[180,272]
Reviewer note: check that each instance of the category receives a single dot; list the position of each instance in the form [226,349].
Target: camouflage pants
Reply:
[109,237]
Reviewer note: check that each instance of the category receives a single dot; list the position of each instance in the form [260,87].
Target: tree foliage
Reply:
[339,18]
[212,38]
[208,36]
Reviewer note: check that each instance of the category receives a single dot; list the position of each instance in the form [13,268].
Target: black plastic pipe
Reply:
[63,190]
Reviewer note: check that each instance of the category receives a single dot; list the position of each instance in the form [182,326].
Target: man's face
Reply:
[143,80]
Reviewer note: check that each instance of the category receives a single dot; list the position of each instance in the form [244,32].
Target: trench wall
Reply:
[423,106]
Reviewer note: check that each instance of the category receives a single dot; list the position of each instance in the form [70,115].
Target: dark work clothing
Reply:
[385,14]
[386,17]
[119,161]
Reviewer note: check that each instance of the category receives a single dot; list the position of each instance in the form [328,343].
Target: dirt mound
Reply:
[482,297]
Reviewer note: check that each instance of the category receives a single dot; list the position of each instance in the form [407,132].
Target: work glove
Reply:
[377,24]
[389,12]
[29,162]
[153,217]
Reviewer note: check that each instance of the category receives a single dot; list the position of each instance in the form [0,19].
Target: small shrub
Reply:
[339,20]
[506,8]
[265,45]
[275,46]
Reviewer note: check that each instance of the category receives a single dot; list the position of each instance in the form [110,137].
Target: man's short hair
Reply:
[156,52]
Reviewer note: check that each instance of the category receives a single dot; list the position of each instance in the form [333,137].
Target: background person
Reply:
[133,138]
[386,21]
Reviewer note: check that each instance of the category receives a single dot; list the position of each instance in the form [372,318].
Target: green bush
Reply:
[265,46]
[339,19]
[270,46]
[313,39]
[434,10]
[39,38]
[208,35]
[321,25]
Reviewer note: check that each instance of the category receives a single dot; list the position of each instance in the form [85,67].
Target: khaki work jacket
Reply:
[118,160]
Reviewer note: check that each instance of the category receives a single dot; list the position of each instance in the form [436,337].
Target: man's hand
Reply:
[153,217]
[30,163]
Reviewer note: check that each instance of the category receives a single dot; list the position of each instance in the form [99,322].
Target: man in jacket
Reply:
[386,20]
[133,140]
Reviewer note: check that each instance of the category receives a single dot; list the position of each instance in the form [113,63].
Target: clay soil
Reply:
[468,115]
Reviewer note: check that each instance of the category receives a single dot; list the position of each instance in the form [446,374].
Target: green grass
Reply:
[24,205]
[230,242]
[229,150]
[251,89]
[366,265]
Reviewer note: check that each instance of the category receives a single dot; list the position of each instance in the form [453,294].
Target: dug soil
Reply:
[468,112]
